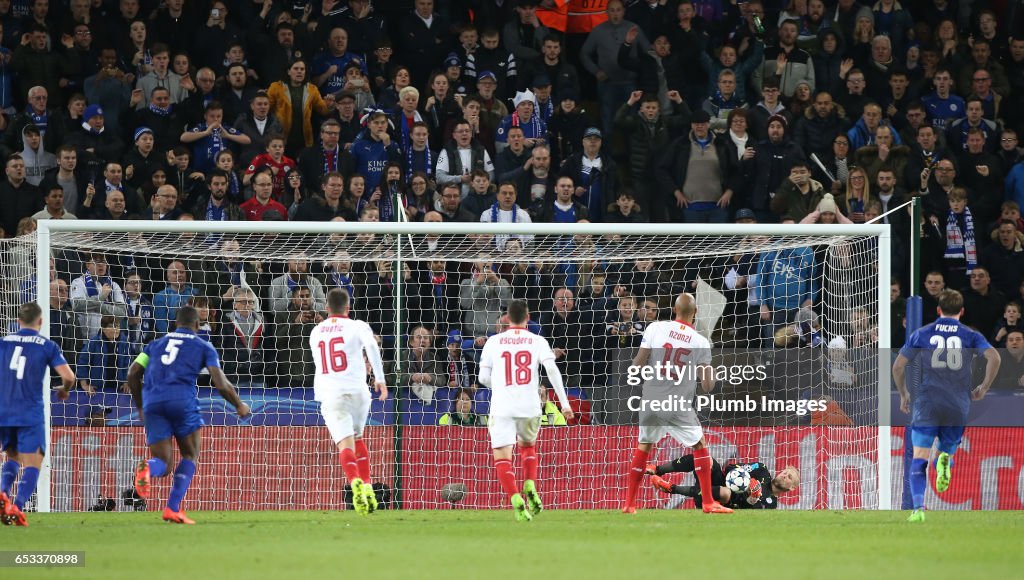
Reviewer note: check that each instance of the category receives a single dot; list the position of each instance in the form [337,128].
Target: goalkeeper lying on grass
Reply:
[761,493]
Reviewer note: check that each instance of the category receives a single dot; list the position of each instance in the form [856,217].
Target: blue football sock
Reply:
[8,474]
[918,481]
[157,467]
[27,485]
[182,479]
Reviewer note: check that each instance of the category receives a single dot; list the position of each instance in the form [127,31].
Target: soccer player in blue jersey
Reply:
[25,360]
[945,350]
[168,402]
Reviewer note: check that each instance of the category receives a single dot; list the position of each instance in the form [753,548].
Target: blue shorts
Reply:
[168,419]
[24,439]
[949,437]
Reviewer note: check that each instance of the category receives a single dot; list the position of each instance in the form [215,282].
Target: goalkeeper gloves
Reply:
[755,492]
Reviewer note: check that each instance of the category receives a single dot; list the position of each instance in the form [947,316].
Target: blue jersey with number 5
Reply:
[25,360]
[175,361]
[945,352]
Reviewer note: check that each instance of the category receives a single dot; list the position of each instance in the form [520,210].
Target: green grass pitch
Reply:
[490,545]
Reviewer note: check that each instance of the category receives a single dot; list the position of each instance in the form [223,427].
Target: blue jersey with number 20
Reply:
[175,361]
[945,352]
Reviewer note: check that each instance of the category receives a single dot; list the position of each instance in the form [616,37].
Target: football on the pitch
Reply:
[738,480]
[453,492]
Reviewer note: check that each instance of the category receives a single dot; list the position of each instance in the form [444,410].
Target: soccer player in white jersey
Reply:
[338,344]
[510,365]
[688,355]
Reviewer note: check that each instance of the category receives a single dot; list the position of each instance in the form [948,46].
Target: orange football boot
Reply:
[142,479]
[178,517]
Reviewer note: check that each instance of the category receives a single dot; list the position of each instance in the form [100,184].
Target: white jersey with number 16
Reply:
[512,361]
[337,344]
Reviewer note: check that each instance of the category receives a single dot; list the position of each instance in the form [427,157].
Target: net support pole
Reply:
[884,376]
[399,274]
[43,299]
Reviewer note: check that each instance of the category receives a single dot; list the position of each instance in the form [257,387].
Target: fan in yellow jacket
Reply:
[283,95]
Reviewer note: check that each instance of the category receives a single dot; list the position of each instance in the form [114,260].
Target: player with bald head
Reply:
[681,358]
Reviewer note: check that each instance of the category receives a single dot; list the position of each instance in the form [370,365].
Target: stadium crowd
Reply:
[515,111]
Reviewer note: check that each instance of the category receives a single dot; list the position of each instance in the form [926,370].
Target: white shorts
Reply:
[687,435]
[505,430]
[345,414]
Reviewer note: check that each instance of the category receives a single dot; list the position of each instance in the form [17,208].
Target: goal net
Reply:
[793,312]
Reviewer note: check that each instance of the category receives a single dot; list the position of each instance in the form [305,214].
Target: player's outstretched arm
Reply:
[227,390]
[134,380]
[555,378]
[707,377]
[376,364]
[67,380]
[899,377]
[992,364]
[642,356]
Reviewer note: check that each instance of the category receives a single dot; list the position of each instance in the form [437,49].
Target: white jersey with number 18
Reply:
[337,344]
[512,360]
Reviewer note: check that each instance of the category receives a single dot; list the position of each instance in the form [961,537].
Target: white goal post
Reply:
[852,260]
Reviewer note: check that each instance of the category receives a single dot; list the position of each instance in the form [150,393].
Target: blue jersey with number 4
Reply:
[175,361]
[25,360]
[945,351]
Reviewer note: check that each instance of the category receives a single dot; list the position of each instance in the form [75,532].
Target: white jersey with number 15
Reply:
[512,360]
[676,343]
[337,344]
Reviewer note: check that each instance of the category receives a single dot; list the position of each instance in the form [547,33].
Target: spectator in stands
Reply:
[564,208]
[328,205]
[451,208]
[773,159]
[92,139]
[62,321]
[594,172]
[505,210]
[600,56]
[786,62]
[284,95]
[423,375]
[329,66]
[1010,322]
[885,152]
[161,76]
[854,201]
[961,249]
[422,40]
[943,106]
[294,358]
[296,275]
[67,176]
[513,160]
[53,207]
[723,101]
[258,124]
[18,198]
[1011,371]
[983,305]
[95,294]
[625,209]
[769,106]
[462,412]
[139,324]
[658,71]
[958,131]
[142,160]
[820,125]
[864,130]
[241,339]
[260,204]
[648,131]
[160,117]
[460,157]
[164,205]
[483,296]
[192,110]
[104,360]
[1005,258]
[216,206]
[787,283]
[167,301]
[798,195]
[700,172]
[211,137]
[37,160]
[536,185]
[570,333]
